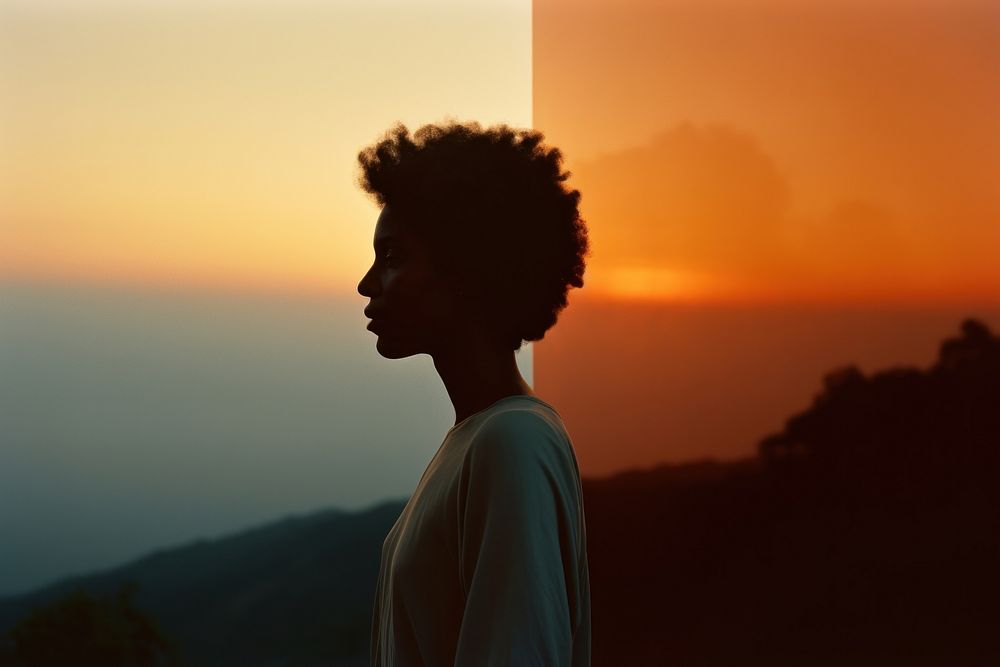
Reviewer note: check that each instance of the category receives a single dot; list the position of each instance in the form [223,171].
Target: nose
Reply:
[363,286]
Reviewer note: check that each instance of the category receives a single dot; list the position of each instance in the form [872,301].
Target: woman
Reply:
[476,246]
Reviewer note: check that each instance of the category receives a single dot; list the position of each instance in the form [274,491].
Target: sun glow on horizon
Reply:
[652,283]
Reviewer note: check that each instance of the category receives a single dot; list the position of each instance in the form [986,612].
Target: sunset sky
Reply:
[807,151]
[215,143]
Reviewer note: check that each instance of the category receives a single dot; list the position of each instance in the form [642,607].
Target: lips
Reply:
[377,323]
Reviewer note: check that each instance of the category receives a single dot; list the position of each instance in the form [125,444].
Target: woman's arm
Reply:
[516,520]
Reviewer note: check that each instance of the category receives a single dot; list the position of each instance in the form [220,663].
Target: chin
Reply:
[390,351]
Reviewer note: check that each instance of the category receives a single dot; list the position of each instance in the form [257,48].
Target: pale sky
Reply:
[217,143]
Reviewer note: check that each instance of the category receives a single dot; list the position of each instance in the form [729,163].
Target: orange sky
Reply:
[773,189]
[806,151]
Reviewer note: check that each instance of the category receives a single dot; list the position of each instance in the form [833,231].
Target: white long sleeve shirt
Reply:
[487,563]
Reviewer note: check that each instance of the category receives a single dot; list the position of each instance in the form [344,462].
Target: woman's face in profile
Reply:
[413,309]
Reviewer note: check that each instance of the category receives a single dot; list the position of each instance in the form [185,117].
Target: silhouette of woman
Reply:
[476,246]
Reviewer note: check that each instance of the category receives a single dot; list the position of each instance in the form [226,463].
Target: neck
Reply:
[476,375]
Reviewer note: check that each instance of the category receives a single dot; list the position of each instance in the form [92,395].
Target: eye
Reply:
[390,258]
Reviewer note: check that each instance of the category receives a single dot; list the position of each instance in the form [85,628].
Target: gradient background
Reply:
[772,188]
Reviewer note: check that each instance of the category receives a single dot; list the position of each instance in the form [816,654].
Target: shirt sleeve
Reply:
[516,546]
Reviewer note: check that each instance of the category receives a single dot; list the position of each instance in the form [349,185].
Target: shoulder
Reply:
[518,433]
[523,421]
[521,442]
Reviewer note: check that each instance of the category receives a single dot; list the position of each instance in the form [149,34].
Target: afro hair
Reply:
[493,210]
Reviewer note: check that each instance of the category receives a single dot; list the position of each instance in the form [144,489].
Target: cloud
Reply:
[703,199]
[703,209]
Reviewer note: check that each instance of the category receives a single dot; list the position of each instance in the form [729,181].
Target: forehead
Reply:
[388,231]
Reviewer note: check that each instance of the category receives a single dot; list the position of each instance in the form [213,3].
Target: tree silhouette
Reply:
[902,419]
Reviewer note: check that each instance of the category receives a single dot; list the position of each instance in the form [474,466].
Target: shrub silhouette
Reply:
[80,629]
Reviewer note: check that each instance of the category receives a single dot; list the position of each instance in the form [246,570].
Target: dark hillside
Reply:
[295,592]
[868,532]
